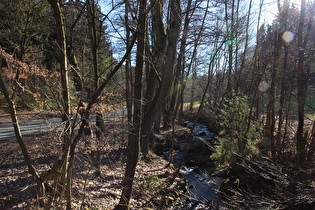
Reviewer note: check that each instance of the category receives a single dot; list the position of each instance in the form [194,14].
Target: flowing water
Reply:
[202,188]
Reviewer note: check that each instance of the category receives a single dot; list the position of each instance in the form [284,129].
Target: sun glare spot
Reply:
[287,36]
[229,42]
[263,86]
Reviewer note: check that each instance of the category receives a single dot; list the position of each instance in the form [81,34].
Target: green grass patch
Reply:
[311,116]
[196,105]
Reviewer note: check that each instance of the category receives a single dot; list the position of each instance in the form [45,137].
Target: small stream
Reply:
[202,188]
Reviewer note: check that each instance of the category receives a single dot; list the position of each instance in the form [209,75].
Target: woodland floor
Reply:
[18,190]
[251,184]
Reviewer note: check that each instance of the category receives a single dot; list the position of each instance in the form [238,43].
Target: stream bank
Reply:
[202,188]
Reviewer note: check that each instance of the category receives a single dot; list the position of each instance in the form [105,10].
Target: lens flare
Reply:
[263,86]
[229,42]
[288,36]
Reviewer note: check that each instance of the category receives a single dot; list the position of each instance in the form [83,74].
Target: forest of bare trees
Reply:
[246,72]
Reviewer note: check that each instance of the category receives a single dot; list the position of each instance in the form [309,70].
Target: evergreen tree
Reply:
[234,136]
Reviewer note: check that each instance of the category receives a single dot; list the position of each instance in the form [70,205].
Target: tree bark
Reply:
[77,80]
[230,34]
[270,122]
[245,46]
[66,112]
[19,138]
[95,27]
[167,72]
[310,155]
[303,69]
[154,79]
[282,101]
[128,74]
[86,112]
[135,130]
[175,98]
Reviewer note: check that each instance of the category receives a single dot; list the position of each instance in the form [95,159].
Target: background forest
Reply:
[126,76]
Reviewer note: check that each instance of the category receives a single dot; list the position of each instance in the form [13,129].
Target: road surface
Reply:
[28,128]
[40,126]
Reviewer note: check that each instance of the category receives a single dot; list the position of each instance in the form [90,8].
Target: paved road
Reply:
[39,126]
[28,128]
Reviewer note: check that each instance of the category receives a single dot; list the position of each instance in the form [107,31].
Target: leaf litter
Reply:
[18,190]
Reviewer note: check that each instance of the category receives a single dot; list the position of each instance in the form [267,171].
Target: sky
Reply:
[269,13]
[271,8]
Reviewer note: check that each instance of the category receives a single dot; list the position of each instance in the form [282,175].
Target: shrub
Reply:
[235,137]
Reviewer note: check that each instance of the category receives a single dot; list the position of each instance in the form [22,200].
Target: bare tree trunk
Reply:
[255,66]
[303,75]
[194,53]
[270,123]
[193,83]
[282,101]
[77,80]
[311,151]
[154,75]
[135,130]
[175,101]
[230,34]
[167,71]
[245,46]
[128,74]
[85,113]
[300,141]
[95,26]
[66,112]
[283,73]
[166,113]
[19,138]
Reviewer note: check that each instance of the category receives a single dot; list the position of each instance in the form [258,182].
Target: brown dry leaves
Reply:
[25,70]
[18,190]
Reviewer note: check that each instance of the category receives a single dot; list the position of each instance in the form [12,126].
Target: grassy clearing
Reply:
[196,105]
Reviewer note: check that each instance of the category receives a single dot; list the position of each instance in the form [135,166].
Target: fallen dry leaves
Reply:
[18,190]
